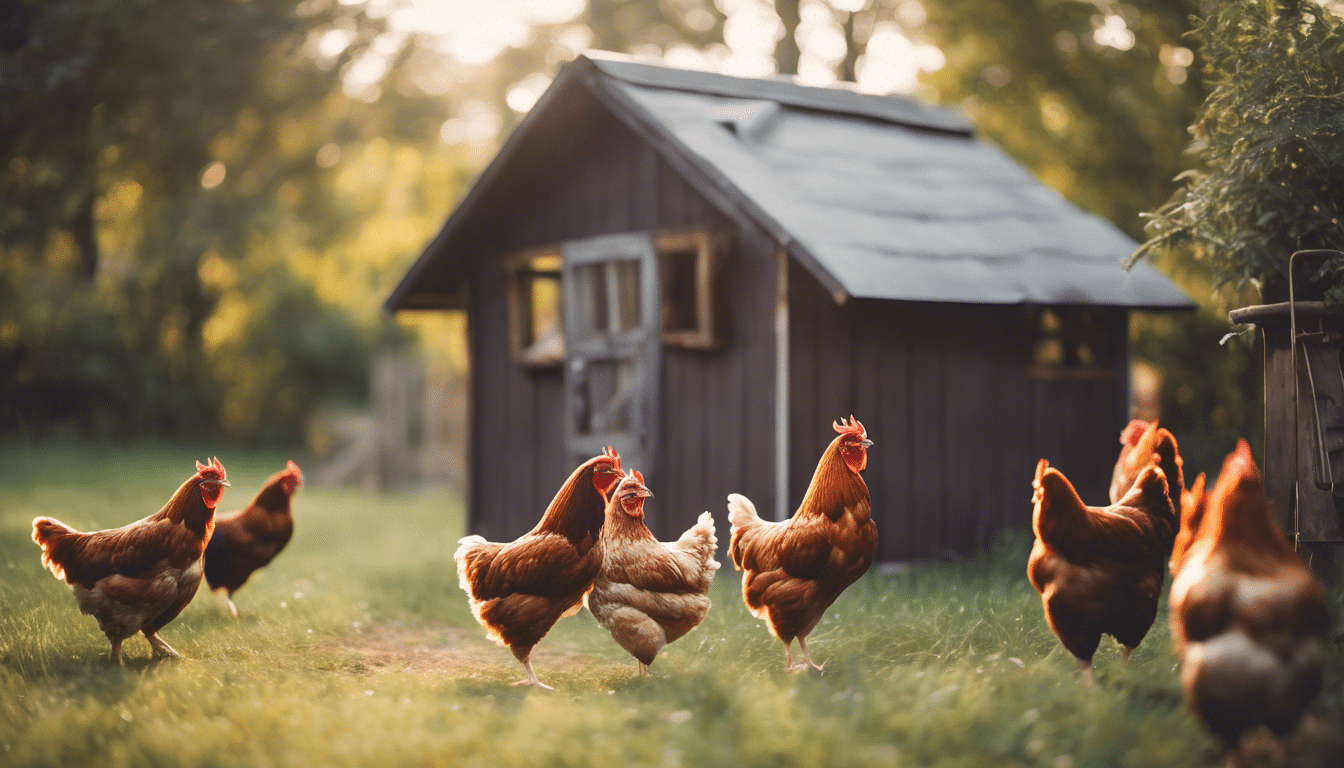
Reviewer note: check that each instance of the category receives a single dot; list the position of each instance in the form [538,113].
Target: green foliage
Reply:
[355,647]
[1270,139]
[175,236]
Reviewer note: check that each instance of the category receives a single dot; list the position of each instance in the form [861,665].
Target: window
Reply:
[1074,342]
[535,327]
[608,295]
[687,265]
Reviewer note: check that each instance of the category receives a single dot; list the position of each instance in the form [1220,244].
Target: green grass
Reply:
[356,648]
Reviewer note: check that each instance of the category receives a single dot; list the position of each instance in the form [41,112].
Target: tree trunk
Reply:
[786,50]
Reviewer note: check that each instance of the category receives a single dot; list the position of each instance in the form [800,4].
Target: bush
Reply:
[1270,139]
[126,362]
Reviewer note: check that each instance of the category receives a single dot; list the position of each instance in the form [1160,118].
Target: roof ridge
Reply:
[844,99]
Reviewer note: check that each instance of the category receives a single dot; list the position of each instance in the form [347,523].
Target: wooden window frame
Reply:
[710,247]
[1096,370]
[520,316]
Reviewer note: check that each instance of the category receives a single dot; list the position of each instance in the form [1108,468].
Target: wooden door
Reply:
[612,348]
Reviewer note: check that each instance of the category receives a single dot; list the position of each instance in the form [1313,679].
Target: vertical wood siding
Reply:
[717,405]
[957,423]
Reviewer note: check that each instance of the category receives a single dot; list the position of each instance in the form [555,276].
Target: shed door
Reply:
[612,348]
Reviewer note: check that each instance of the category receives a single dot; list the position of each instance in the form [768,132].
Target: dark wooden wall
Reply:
[718,405]
[957,423]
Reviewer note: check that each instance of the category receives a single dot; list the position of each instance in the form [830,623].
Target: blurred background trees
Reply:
[205,203]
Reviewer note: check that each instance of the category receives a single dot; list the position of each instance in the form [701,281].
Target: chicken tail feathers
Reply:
[463,558]
[742,518]
[700,540]
[1150,492]
[56,540]
[741,512]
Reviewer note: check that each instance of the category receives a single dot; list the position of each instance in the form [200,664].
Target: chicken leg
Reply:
[531,678]
[162,650]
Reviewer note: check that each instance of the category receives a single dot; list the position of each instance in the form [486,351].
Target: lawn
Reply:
[356,647]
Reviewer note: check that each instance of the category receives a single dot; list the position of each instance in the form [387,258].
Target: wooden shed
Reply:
[706,271]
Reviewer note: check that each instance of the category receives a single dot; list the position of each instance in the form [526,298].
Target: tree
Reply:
[1271,148]
[140,149]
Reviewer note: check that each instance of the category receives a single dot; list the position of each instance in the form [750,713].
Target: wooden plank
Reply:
[969,436]
[753,336]
[494,432]
[803,342]
[928,431]
[1014,461]
[1280,439]
[870,408]
[644,180]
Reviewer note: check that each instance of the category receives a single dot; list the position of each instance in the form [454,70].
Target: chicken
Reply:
[1193,504]
[1138,442]
[649,592]
[795,568]
[1100,569]
[139,577]
[1248,616]
[517,591]
[249,538]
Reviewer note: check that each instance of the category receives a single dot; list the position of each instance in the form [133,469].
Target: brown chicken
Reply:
[249,538]
[518,590]
[795,568]
[649,592]
[1193,504]
[139,577]
[1138,442]
[1248,616]
[1100,569]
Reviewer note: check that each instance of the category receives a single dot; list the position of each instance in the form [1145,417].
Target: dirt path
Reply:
[464,654]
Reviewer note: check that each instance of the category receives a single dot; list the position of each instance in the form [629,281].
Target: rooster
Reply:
[517,591]
[1248,616]
[650,593]
[139,577]
[1100,569]
[1193,504]
[249,538]
[796,568]
[1138,442]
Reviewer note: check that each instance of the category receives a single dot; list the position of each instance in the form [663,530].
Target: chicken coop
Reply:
[705,271]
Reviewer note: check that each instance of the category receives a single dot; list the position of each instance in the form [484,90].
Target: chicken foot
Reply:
[1085,665]
[531,678]
[116,650]
[802,666]
[232,608]
[162,650]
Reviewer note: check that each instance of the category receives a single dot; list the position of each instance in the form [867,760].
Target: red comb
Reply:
[854,427]
[1241,464]
[1133,431]
[638,476]
[214,468]
[611,454]
[294,470]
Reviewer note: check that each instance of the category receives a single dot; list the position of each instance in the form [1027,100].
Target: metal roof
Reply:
[880,197]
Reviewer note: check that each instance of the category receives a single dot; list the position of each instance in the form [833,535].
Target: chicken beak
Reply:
[226,483]
[644,493]
[866,443]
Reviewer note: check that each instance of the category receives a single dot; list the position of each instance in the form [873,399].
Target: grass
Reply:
[356,648]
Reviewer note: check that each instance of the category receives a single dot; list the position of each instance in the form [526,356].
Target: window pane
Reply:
[627,294]
[679,308]
[591,282]
[606,395]
[544,310]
